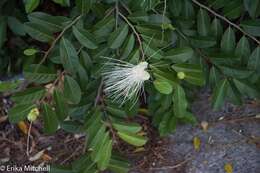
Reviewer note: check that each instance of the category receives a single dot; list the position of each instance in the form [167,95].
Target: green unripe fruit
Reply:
[181,75]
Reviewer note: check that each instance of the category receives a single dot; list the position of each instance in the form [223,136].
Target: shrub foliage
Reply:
[188,44]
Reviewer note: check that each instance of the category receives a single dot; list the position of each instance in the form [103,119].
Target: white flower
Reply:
[123,81]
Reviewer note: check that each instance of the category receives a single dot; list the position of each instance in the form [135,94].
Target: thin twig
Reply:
[117,11]
[52,86]
[57,39]
[109,12]
[72,155]
[172,167]
[125,7]
[163,19]
[136,34]
[100,90]
[28,140]
[226,20]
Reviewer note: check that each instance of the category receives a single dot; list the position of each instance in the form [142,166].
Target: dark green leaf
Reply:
[246,88]
[117,112]
[203,23]
[179,55]
[216,29]
[233,9]
[233,94]
[167,124]
[243,50]
[202,42]
[85,38]
[84,5]
[19,112]
[192,73]
[72,91]
[61,106]
[128,47]
[68,55]
[118,165]
[252,6]
[38,32]
[238,73]
[179,101]
[252,27]
[152,51]
[175,7]
[214,76]
[228,42]
[29,95]
[53,23]
[139,16]
[2,31]
[39,74]
[117,38]
[50,119]
[16,26]
[254,60]
[219,94]
[71,126]
[104,27]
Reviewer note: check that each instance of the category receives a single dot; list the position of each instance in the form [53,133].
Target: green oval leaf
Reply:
[61,108]
[252,27]
[38,32]
[68,56]
[72,91]
[30,51]
[228,42]
[219,94]
[19,112]
[50,119]
[39,74]
[117,38]
[254,60]
[29,95]
[85,38]
[163,86]
[133,139]
[203,23]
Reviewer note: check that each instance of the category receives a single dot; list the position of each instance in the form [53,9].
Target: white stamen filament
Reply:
[123,81]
